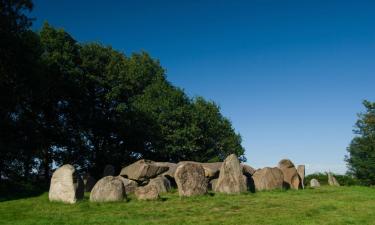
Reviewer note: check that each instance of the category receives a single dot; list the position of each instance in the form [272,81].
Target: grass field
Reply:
[327,205]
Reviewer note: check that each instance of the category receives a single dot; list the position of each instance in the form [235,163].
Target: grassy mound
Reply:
[327,205]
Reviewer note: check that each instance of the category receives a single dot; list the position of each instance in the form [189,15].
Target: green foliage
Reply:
[326,205]
[344,180]
[90,105]
[361,158]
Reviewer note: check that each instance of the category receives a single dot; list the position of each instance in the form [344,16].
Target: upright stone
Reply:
[301,173]
[190,179]
[109,170]
[148,192]
[66,185]
[291,177]
[231,179]
[268,179]
[314,183]
[108,189]
[332,180]
[143,170]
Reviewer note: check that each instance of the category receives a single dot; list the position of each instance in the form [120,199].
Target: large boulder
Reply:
[231,179]
[171,168]
[291,177]
[301,173]
[89,182]
[66,185]
[268,179]
[148,192]
[130,185]
[143,170]
[332,180]
[190,179]
[247,170]
[108,189]
[161,183]
[211,170]
[314,183]
[109,170]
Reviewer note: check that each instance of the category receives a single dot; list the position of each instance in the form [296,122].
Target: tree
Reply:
[361,158]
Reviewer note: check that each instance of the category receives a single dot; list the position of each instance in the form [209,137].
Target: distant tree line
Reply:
[89,105]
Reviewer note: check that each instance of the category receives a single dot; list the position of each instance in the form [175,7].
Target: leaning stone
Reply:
[143,170]
[161,183]
[109,170]
[66,185]
[301,173]
[148,192]
[268,179]
[291,177]
[130,185]
[108,189]
[230,179]
[190,179]
[89,182]
[314,183]
[332,180]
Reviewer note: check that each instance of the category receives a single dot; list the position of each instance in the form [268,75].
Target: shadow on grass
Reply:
[18,190]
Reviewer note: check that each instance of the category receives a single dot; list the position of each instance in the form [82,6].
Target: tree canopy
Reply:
[361,158]
[90,105]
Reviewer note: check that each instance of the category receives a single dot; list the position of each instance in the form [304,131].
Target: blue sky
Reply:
[290,75]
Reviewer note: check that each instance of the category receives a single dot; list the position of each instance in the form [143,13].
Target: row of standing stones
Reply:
[148,179]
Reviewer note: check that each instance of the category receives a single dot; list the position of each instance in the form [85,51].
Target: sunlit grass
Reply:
[327,205]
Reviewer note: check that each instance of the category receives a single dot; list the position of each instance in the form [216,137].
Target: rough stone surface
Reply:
[211,170]
[89,182]
[291,177]
[190,179]
[247,170]
[332,180]
[171,168]
[161,183]
[143,170]
[314,183]
[212,184]
[109,170]
[130,185]
[148,192]
[230,179]
[108,189]
[301,173]
[66,185]
[268,179]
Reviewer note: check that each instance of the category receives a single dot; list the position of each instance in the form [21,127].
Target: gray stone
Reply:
[332,180]
[301,173]
[291,177]
[212,184]
[109,170]
[66,185]
[148,192]
[314,183]
[143,170]
[161,183]
[247,170]
[171,168]
[211,170]
[268,179]
[190,179]
[230,179]
[108,189]
[89,182]
[130,185]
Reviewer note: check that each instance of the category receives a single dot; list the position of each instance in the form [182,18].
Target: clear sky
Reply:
[290,75]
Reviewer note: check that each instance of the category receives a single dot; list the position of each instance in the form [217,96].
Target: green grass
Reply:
[327,205]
